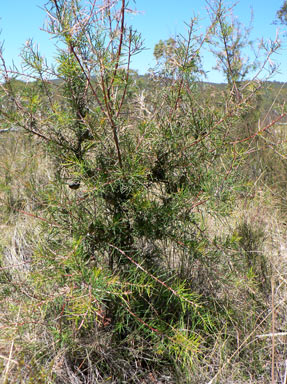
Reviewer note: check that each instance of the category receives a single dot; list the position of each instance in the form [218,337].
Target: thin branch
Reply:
[154,277]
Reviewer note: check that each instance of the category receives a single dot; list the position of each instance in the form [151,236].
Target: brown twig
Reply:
[273,332]
[261,130]
[154,277]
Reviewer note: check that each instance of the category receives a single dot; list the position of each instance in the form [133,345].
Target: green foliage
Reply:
[282,13]
[251,238]
[179,57]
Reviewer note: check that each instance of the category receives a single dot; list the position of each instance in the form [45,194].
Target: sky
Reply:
[156,20]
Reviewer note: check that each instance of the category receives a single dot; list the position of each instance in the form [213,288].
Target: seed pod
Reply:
[74,184]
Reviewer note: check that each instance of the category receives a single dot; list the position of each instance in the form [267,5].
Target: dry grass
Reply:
[27,169]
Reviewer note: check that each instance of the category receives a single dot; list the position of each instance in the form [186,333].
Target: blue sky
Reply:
[158,19]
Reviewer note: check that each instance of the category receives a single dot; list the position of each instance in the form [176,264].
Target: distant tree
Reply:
[168,52]
[229,43]
[282,13]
